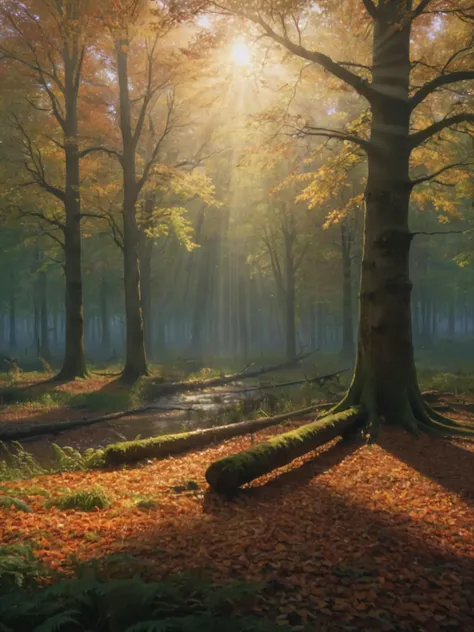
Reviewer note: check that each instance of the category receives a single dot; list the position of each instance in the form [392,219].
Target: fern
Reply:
[181,604]
[58,621]
[8,502]
[18,566]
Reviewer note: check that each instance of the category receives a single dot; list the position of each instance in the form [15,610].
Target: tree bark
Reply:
[135,355]
[44,350]
[74,363]
[104,317]
[385,376]
[228,474]
[347,325]
[146,252]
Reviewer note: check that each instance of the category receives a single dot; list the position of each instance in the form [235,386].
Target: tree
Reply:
[47,40]
[384,378]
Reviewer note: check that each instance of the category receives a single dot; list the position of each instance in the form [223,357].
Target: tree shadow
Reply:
[319,549]
[441,460]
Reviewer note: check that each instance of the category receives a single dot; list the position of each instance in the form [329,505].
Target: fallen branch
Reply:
[161,447]
[228,474]
[21,430]
[320,379]
[179,387]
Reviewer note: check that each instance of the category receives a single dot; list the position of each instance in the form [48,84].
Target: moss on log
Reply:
[163,446]
[227,474]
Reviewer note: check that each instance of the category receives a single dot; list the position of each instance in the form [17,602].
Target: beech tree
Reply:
[385,380]
[47,40]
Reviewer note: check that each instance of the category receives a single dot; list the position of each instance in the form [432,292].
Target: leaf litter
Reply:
[348,537]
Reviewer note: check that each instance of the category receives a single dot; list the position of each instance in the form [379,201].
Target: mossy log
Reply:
[163,446]
[227,474]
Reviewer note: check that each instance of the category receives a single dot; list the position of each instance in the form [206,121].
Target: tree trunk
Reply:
[347,325]
[385,376]
[230,473]
[104,318]
[74,363]
[135,356]
[44,350]
[146,252]
[290,292]
[162,447]
[12,319]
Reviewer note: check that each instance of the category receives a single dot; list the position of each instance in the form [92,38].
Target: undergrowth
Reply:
[88,602]
[19,464]
[82,500]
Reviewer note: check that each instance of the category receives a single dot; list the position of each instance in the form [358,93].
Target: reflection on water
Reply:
[173,414]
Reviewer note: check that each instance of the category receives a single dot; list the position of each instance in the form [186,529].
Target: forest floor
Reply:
[348,537]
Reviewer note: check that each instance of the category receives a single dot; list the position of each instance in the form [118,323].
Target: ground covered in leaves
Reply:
[350,537]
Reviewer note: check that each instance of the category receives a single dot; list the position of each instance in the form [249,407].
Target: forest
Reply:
[236,315]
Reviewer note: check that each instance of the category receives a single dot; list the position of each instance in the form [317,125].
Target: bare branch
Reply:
[442,80]
[100,148]
[360,85]
[154,156]
[418,138]
[335,134]
[433,176]
[442,232]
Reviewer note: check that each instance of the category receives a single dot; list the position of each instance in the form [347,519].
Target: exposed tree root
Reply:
[410,411]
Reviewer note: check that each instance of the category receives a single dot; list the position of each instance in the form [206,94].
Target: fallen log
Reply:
[163,446]
[228,474]
[22,430]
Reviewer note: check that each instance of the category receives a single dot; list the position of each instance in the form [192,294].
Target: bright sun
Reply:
[241,55]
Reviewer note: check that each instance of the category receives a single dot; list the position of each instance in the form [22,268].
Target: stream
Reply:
[177,413]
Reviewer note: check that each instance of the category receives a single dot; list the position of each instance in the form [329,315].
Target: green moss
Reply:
[232,472]
[129,451]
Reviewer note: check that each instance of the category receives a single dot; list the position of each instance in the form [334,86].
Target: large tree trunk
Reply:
[74,363]
[385,377]
[135,356]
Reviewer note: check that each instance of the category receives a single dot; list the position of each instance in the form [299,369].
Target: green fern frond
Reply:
[58,621]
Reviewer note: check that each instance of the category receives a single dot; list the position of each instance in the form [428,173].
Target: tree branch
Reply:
[106,150]
[442,80]
[434,175]
[360,85]
[420,8]
[335,134]
[418,138]
[371,8]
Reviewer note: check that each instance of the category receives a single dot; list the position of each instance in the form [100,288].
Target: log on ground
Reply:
[163,446]
[230,473]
